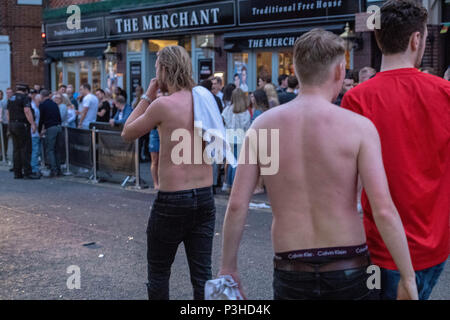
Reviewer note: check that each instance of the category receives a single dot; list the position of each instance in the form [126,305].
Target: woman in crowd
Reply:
[272,95]
[58,99]
[260,104]
[71,112]
[154,152]
[139,92]
[227,92]
[236,116]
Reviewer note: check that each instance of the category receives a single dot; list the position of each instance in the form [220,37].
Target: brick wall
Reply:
[22,24]
[66,3]
[432,57]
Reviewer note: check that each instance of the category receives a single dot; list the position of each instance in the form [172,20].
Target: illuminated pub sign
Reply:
[209,16]
[253,12]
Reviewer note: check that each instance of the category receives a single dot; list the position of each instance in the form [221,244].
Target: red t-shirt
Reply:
[411,111]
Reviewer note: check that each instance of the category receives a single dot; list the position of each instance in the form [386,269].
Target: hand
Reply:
[152,90]
[235,276]
[111,122]
[407,289]
[33,128]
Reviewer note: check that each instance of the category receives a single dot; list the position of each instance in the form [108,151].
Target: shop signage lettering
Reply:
[90,29]
[189,18]
[72,54]
[271,42]
[269,11]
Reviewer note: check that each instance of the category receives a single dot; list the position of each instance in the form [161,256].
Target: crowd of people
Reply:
[35,116]
[389,136]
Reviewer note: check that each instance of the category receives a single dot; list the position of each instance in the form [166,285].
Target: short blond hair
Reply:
[239,101]
[175,63]
[314,53]
[272,94]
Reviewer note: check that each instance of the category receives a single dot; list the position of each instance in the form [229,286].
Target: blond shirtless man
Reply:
[184,209]
[317,233]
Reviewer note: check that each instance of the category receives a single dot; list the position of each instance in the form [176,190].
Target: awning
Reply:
[270,39]
[79,51]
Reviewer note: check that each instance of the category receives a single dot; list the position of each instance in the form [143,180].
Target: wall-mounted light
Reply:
[35,58]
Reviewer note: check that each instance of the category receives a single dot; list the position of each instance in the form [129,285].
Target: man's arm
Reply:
[30,118]
[237,211]
[83,115]
[387,219]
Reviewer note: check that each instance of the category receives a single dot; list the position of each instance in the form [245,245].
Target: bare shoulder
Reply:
[269,118]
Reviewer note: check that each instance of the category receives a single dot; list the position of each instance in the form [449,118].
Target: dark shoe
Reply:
[32,176]
[18,177]
[11,170]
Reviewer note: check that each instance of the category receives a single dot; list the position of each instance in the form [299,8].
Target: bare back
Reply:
[313,196]
[179,114]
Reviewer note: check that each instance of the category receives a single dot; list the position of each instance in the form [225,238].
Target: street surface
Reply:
[44,224]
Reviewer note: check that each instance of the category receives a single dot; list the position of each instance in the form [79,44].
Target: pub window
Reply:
[134,45]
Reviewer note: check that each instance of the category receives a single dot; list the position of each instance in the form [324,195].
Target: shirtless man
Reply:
[317,233]
[184,209]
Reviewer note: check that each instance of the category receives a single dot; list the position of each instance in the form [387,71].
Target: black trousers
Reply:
[186,217]
[21,136]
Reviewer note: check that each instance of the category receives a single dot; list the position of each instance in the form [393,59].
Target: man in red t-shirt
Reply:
[411,111]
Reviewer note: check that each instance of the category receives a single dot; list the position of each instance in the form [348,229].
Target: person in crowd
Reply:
[272,95]
[260,105]
[138,92]
[71,112]
[237,80]
[282,83]
[21,125]
[366,73]
[124,111]
[244,84]
[144,141]
[58,99]
[72,96]
[264,79]
[349,83]
[35,136]
[236,118]
[410,109]
[62,89]
[4,121]
[209,85]
[217,87]
[154,145]
[428,70]
[447,74]
[227,94]
[37,88]
[104,109]
[318,142]
[187,185]
[50,126]
[89,107]
[289,94]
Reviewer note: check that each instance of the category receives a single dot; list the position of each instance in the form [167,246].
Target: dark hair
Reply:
[121,100]
[86,86]
[265,76]
[399,20]
[236,75]
[206,84]
[262,102]
[101,90]
[282,78]
[228,91]
[121,92]
[292,82]
[62,86]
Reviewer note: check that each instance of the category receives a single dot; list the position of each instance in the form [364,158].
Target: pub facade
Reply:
[234,39]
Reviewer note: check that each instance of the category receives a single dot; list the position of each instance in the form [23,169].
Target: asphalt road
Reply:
[44,224]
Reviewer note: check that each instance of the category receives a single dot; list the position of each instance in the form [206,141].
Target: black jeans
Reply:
[21,136]
[184,216]
[335,285]
[5,140]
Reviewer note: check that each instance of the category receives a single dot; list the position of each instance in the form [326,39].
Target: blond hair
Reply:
[239,101]
[272,95]
[175,64]
[314,53]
